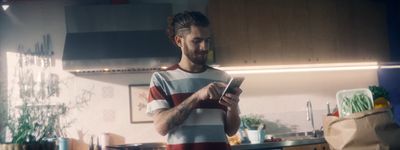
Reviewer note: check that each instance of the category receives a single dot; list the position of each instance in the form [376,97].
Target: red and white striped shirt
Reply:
[204,128]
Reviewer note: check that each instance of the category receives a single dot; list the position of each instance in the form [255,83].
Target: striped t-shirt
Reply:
[204,128]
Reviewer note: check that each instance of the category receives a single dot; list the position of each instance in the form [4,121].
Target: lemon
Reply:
[381,102]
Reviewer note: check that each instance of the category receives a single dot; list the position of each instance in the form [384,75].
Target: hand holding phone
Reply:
[233,83]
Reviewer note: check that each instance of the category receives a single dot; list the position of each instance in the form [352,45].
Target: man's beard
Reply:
[191,55]
[198,60]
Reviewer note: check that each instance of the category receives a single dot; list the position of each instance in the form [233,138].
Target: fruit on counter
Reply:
[380,96]
[381,102]
[272,139]
[335,113]
[378,92]
[234,140]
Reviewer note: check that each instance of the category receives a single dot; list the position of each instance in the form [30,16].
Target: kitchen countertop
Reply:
[267,145]
[278,145]
[138,146]
[288,140]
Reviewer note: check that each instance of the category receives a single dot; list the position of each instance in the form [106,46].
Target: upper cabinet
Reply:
[230,31]
[270,32]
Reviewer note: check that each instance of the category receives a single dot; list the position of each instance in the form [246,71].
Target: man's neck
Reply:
[191,67]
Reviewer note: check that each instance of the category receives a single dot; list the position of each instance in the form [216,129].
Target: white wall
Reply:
[281,97]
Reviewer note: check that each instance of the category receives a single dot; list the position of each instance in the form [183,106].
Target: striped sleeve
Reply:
[157,98]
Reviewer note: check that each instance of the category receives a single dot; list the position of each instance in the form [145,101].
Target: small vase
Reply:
[62,143]
[256,136]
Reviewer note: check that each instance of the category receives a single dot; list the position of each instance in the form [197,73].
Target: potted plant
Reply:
[36,125]
[32,127]
[254,126]
[34,114]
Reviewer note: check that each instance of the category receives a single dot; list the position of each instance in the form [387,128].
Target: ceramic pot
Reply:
[256,136]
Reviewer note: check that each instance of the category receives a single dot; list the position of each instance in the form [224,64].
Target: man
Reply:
[184,99]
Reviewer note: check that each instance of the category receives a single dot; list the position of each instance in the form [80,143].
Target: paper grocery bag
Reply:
[368,130]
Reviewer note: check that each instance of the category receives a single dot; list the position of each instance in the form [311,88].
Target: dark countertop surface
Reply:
[287,142]
[278,145]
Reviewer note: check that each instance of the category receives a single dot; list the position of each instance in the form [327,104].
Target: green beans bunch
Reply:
[358,103]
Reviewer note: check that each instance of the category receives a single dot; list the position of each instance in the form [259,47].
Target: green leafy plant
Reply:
[252,121]
[34,116]
[34,123]
[38,121]
[378,91]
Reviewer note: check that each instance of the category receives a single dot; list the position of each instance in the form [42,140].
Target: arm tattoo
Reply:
[182,112]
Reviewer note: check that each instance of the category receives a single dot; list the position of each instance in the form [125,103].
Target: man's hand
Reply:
[167,119]
[231,101]
[211,91]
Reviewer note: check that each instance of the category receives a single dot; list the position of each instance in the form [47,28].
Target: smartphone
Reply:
[233,83]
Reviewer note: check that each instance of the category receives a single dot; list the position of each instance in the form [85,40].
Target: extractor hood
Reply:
[118,38]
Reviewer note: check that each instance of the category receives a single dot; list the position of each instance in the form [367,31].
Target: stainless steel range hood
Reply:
[117,38]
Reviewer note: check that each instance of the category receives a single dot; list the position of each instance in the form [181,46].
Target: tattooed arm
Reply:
[167,119]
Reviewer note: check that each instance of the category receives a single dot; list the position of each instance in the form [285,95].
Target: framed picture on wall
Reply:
[137,102]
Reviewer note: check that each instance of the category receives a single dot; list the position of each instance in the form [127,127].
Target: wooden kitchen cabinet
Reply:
[361,31]
[323,30]
[269,32]
[263,32]
[323,146]
[229,27]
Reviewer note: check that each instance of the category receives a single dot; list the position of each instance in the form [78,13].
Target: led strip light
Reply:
[390,67]
[301,68]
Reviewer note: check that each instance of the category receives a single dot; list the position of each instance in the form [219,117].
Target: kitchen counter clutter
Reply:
[138,146]
[298,144]
[370,129]
[288,141]
[317,143]
[362,123]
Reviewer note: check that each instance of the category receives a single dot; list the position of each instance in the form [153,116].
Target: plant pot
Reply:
[36,146]
[256,136]
[10,147]
[63,143]
[41,146]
